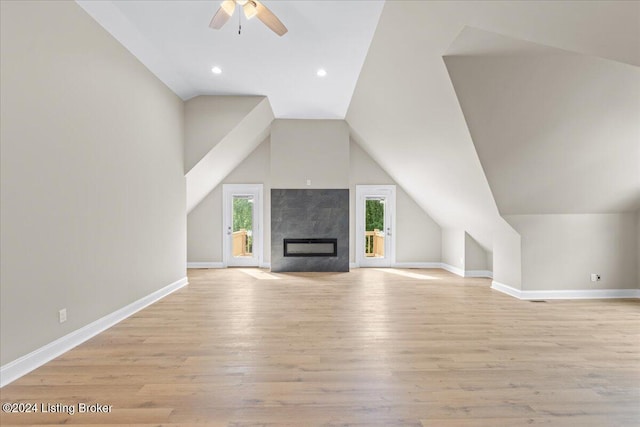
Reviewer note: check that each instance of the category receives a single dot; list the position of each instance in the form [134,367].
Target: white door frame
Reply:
[389,191]
[228,191]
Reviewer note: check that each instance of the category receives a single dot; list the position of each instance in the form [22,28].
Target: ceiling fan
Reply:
[251,8]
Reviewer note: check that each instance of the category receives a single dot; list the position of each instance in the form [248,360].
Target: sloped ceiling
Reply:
[227,153]
[405,113]
[209,119]
[556,132]
[173,39]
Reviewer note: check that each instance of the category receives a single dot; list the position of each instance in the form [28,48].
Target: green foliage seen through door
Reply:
[243,218]
[374,215]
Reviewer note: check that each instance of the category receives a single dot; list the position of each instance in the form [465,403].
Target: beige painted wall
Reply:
[414,127]
[462,251]
[227,153]
[204,229]
[92,180]
[309,149]
[559,252]
[453,248]
[475,257]
[524,153]
[489,256]
[507,257]
[208,119]
[204,222]
[418,237]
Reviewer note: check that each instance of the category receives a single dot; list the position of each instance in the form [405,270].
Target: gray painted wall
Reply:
[92,181]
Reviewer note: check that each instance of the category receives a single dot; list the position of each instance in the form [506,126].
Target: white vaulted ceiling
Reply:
[173,40]
[427,125]
[407,116]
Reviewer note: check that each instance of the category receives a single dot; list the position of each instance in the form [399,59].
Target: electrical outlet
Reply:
[595,277]
[62,315]
[308,182]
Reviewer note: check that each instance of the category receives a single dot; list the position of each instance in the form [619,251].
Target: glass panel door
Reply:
[374,213]
[242,225]
[242,228]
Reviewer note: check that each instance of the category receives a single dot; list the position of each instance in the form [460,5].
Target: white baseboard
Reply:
[581,294]
[478,273]
[452,269]
[27,363]
[205,265]
[506,289]
[417,265]
[566,294]
[353,265]
[265,265]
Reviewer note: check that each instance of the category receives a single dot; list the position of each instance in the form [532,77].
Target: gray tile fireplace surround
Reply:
[309,214]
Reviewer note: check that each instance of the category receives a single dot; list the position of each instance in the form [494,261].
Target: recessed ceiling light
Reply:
[216,70]
[321,72]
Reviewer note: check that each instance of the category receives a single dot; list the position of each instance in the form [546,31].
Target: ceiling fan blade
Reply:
[269,19]
[223,14]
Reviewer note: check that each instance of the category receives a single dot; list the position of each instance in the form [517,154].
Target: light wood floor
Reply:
[366,348]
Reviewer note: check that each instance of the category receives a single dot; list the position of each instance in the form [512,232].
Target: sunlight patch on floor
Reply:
[407,274]
[258,274]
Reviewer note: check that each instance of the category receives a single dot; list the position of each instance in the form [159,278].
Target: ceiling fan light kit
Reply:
[228,6]
[251,8]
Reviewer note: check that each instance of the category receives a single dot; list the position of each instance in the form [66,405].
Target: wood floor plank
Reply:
[365,348]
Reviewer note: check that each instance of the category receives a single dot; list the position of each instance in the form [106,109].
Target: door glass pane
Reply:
[242,236]
[374,227]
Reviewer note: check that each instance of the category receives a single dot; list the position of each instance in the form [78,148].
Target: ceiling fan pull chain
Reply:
[239,23]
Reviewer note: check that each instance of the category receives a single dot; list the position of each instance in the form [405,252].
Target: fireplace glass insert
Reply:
[311,247]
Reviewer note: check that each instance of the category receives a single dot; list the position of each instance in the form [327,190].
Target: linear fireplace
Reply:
[309,230]
[310,247]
